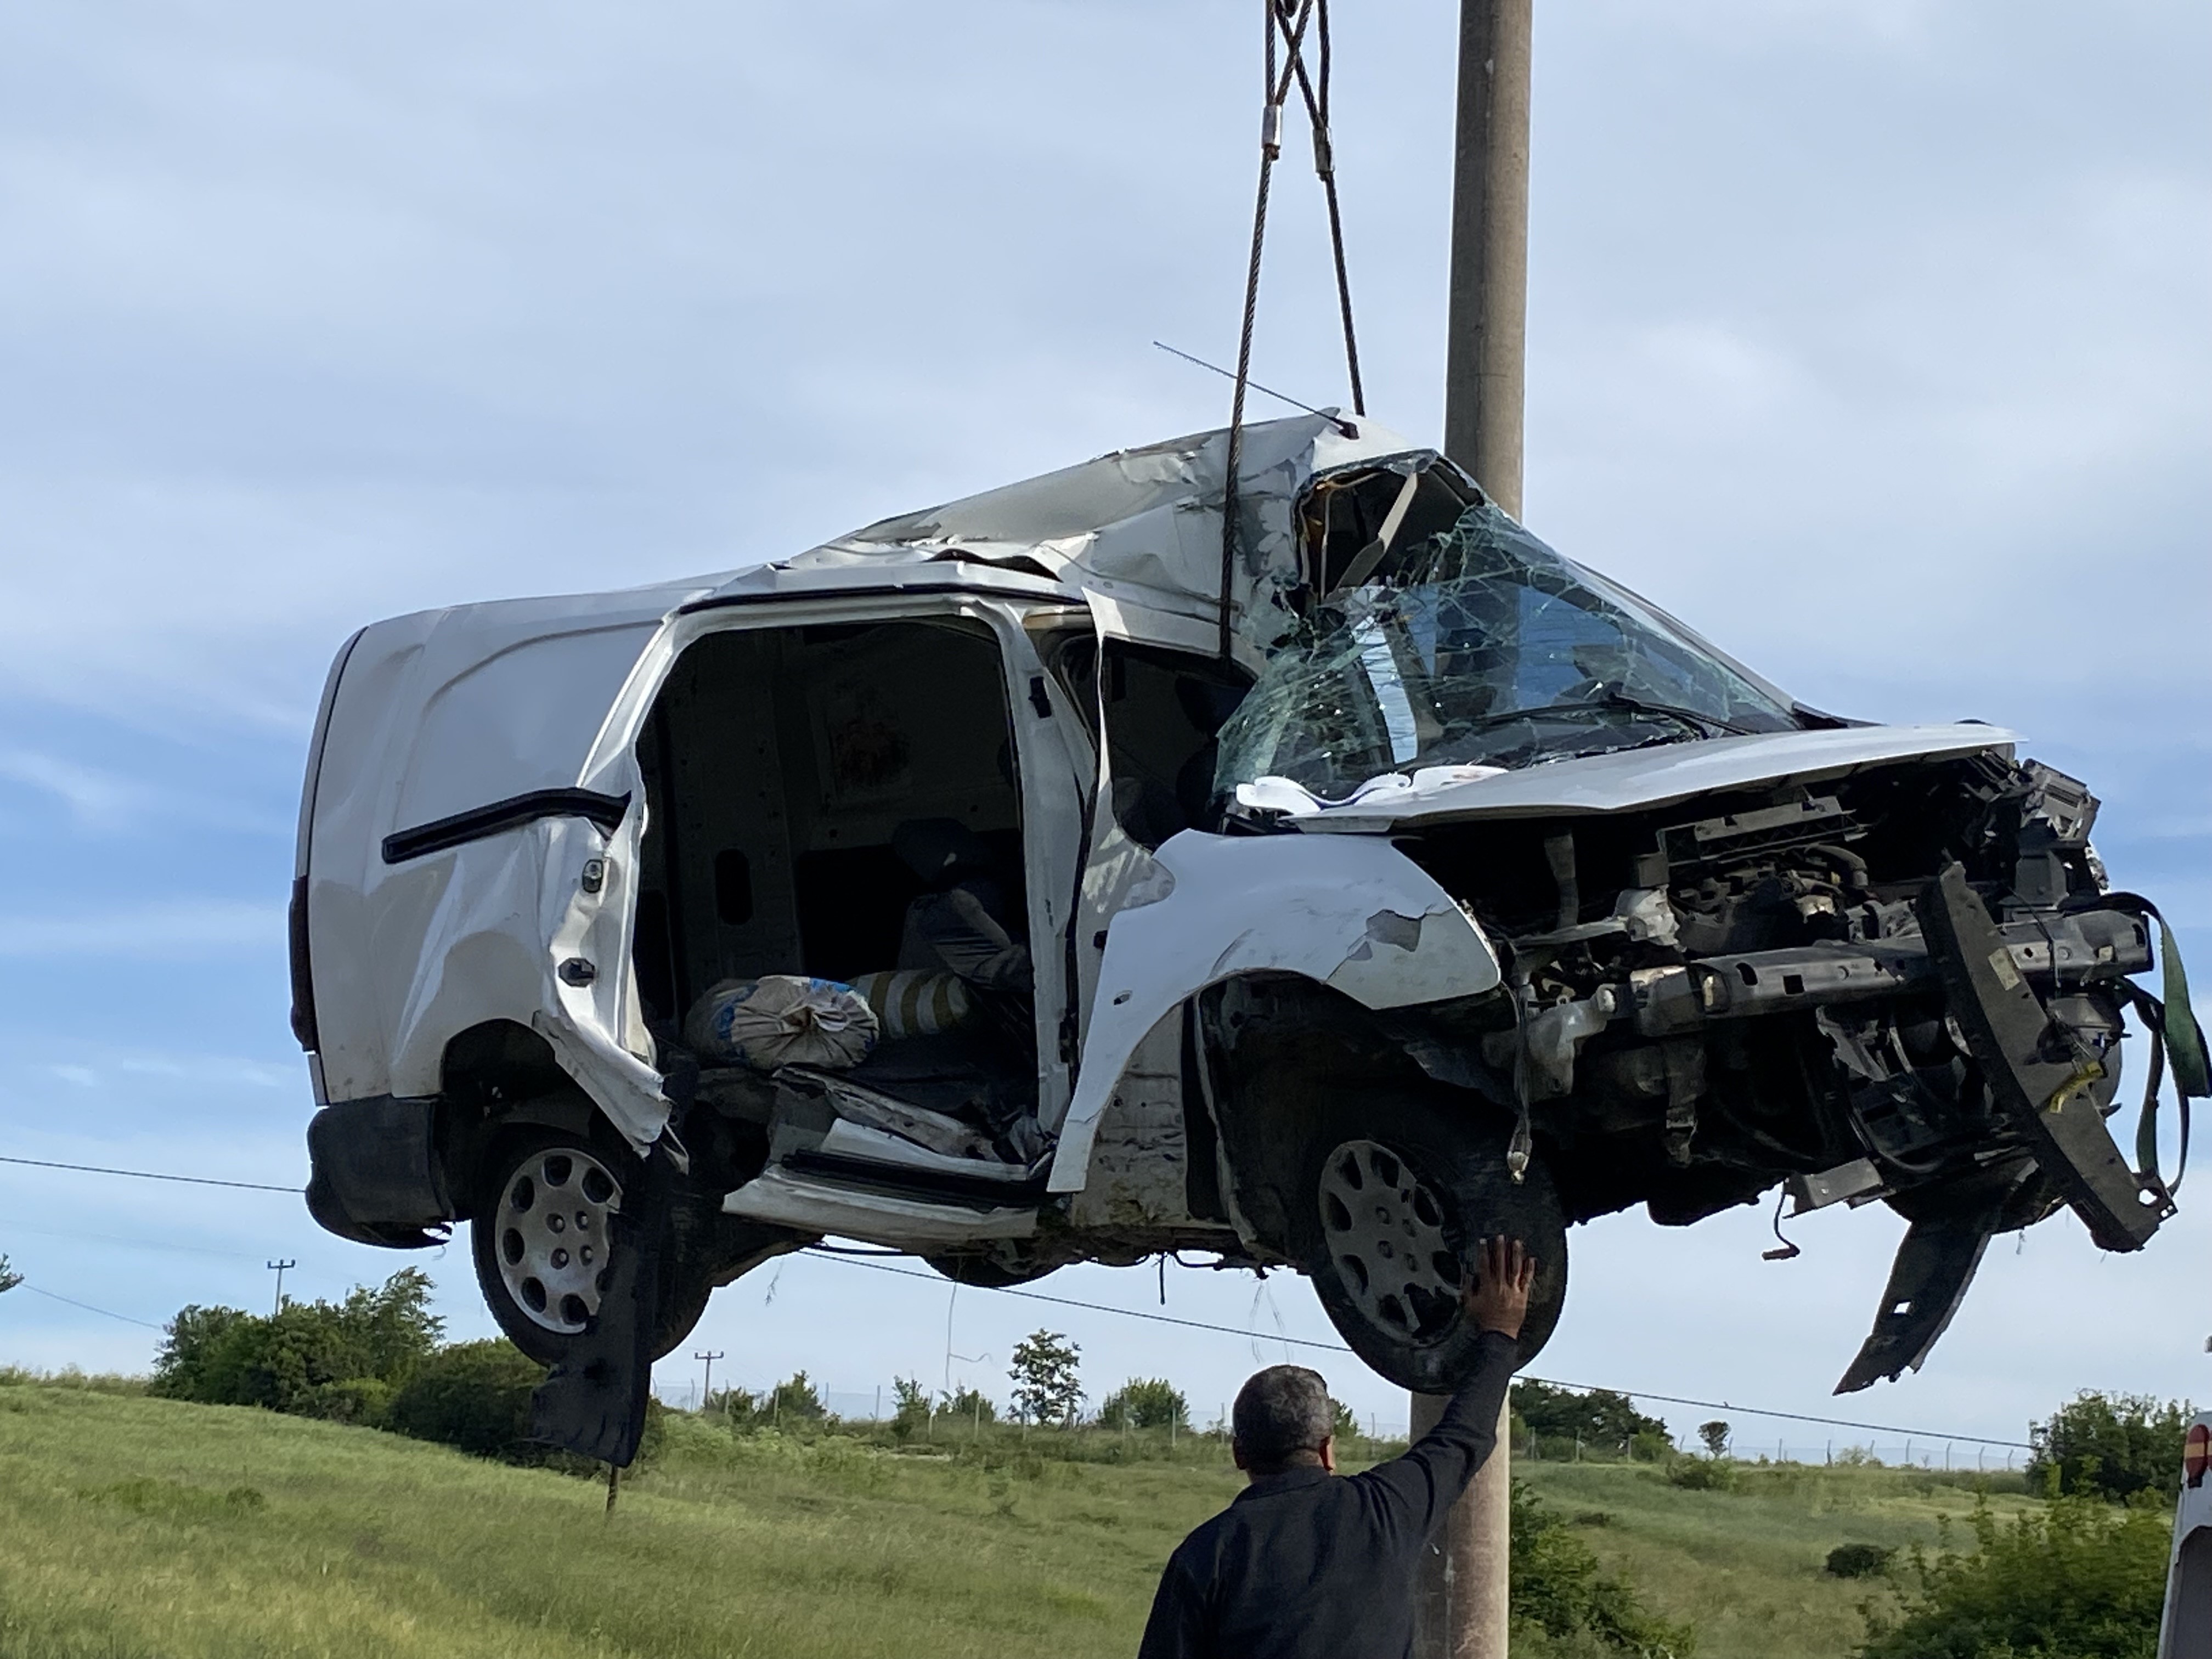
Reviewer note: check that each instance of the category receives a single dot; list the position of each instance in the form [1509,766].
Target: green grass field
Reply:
[140,1529]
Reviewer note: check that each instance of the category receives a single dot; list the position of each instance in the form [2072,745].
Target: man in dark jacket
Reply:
[1303,1565]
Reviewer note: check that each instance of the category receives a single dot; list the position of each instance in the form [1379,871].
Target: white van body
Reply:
[481,845]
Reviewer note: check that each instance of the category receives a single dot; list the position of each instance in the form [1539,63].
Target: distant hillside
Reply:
[133,1528]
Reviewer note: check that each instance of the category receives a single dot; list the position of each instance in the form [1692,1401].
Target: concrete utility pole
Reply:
[1464,1611]
[280,1266]
[1485,353]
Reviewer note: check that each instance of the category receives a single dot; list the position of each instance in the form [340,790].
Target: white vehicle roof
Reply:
[445,710]
[1142,525]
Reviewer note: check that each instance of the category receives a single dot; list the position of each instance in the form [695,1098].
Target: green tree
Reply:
[1715,1434]
[2078,1579]
[1601,1418]
[9,1279]
[1146,1403]
[1046,1377]
[313,1358]
[2113,1445]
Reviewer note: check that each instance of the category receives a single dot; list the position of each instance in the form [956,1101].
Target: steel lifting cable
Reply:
[1325,170]
[1290,20]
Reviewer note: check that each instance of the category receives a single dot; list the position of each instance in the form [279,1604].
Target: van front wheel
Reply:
[1394,1196]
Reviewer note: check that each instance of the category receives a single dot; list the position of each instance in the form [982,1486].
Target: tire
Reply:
[531,1252]
[1394,1172]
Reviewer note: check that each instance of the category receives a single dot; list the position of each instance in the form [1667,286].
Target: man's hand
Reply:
[1495,1296]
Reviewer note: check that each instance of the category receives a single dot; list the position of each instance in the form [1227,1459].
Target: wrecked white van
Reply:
[1378,879]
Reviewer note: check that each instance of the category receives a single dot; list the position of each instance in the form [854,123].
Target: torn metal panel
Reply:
[1137,524]
[1354,914]
[1139,1169]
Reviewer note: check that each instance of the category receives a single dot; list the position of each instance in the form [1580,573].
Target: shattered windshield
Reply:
[1483,647]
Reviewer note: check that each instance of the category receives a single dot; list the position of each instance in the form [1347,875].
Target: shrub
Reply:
[475,1397]
[970,1406]
[1858,1560]
[2079,1579]
[1702,1474]
[289,1361]
[2113,1445]
[1557,1587]
[914,1413]
[795,1400]
[1148,1403]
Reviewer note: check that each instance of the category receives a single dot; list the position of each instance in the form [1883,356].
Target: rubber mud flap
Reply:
[593,1402]
[2006,1028]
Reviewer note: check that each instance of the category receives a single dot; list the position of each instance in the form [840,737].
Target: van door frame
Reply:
[1051,767]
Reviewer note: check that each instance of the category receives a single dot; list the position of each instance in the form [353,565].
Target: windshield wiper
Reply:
[1703,725]
[1707,723]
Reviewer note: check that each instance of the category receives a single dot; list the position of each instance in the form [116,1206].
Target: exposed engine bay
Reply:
[1785,985]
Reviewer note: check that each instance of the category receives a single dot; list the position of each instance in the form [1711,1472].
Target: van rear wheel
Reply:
[542,1233]
[1394,1195]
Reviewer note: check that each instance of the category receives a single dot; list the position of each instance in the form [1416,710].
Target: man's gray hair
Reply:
[1280,1412]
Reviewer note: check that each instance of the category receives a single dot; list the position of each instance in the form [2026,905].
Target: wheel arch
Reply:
[494,1078]
[1350,915]
[1275,1052]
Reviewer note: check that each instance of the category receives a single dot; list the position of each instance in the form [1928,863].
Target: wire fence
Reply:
[880,1404]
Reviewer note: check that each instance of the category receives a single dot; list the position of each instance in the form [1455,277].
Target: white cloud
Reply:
[179,930]
[97,799]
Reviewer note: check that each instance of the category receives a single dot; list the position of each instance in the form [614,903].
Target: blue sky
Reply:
[1869,337]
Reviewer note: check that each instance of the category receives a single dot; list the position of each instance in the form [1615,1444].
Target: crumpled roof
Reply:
[1142,525]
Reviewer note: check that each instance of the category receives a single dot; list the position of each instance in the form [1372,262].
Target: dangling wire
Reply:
[1786,1251]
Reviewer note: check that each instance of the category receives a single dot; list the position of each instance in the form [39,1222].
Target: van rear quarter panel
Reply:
[436,714]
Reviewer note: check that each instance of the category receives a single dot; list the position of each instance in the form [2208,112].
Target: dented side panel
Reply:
[1140,1159]
[1351,912]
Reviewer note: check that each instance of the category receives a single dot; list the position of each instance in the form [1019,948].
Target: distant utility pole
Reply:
[1464,1608]
[280,1266]
[706,1387]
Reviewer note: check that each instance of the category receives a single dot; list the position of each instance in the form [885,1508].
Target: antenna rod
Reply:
[1343,427]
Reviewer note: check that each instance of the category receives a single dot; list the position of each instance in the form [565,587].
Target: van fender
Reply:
[1351,912]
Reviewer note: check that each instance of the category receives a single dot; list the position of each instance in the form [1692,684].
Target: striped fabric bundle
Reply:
[916,1001]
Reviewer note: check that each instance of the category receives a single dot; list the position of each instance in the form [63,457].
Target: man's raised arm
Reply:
[1430,1478]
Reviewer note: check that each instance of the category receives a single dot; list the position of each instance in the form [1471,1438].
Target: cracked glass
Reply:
[1482,648]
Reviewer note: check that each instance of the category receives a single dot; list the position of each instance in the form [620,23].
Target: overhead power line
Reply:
[1338,1348]
[52,1295]
[152,1174]
[832,1254]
